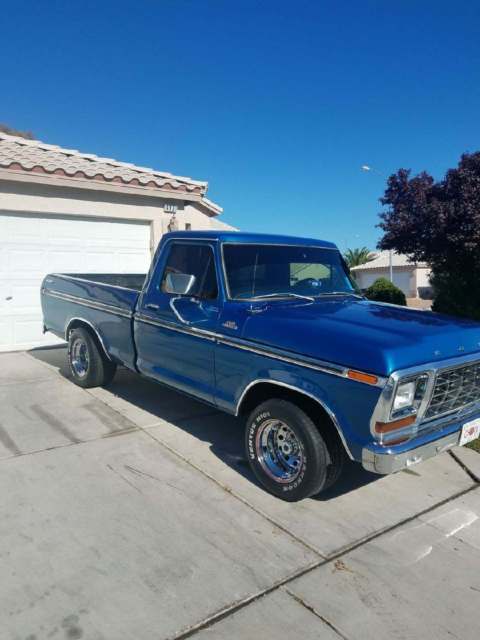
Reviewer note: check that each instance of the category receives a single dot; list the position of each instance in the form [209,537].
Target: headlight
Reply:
[404,396]
[400,407]
[409,395]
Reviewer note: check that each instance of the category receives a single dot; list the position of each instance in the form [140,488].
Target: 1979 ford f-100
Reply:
[272,328]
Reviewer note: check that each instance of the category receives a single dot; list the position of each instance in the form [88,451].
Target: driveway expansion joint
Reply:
[469,473]
[309,607]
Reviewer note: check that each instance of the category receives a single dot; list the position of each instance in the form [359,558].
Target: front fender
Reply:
[348,402]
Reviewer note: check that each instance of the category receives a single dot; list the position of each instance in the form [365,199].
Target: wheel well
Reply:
[83,324]
[317,413]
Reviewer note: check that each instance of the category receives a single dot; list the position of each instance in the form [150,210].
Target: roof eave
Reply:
[211,206]
[111,187]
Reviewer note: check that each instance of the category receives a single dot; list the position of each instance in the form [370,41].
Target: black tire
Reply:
[338,457]
[89,365]
[309,457]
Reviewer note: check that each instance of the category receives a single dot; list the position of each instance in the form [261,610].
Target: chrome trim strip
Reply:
[65,276]
[305,393]
[192,331]
[67,332]
[316,365]
[100,306]
[224,273]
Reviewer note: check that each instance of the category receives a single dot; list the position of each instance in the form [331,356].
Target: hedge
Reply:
[382,290]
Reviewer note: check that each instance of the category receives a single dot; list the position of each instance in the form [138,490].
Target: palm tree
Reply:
[355,257]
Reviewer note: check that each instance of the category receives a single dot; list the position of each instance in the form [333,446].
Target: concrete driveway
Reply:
[129,513]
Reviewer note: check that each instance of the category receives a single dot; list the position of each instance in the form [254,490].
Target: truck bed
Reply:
[105,301]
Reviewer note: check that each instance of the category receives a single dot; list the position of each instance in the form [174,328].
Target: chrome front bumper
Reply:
[388,461]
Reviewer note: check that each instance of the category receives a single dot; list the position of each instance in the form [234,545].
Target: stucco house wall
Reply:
[192,214]
[423,277]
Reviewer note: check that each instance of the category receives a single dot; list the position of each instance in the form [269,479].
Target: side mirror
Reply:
[179,283]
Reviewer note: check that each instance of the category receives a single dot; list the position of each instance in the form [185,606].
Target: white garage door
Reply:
[32,246]
[401,279]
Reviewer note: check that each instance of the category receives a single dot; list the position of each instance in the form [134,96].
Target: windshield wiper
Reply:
[287,294]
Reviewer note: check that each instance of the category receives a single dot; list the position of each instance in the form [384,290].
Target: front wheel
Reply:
[286,451]
[90,367]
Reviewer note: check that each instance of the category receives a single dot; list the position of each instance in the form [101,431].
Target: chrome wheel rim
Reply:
[278,451]
[79,358]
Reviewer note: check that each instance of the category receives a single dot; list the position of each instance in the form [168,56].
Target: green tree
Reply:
[356,257]
[438,222]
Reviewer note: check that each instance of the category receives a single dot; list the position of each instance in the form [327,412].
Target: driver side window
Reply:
[197,260]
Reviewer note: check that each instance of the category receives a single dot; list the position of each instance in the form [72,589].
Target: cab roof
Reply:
[240,237]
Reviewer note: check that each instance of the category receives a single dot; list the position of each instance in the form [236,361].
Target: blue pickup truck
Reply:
[273,328]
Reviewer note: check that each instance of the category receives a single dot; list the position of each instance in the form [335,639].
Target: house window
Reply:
[188,226]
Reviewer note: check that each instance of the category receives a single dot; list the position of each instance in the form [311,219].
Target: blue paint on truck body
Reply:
[218,349]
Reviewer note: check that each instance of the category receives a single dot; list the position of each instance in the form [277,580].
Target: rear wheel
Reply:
[286,451]
[89,365]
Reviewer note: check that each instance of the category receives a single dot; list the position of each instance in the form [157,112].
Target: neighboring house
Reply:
[62,210]
[410,277]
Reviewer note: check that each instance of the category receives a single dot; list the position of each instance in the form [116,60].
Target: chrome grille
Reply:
[454,388]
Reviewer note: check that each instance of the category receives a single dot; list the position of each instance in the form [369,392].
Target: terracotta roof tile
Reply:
[35,156]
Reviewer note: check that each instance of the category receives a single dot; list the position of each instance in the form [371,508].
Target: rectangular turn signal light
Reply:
[386,427]
[369,378]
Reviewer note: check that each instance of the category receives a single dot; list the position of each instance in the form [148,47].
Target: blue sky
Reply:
[277,104]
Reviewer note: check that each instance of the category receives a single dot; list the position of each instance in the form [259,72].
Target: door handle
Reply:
[152,306]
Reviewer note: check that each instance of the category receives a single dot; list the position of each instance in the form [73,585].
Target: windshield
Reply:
[256,271]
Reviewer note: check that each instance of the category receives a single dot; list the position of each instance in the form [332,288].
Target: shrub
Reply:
[382,290]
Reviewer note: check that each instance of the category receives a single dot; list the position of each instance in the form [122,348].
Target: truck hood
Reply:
[370,336]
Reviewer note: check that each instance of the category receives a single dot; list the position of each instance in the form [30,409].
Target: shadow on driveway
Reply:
[224,433]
